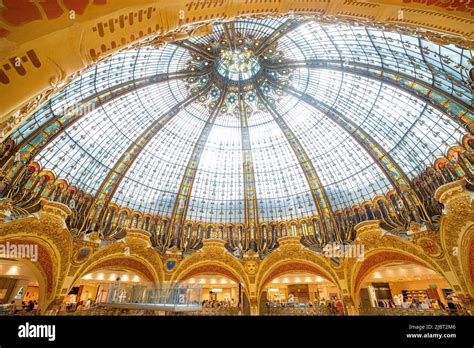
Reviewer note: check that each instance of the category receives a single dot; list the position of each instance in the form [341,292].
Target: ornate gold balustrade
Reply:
[215,312]
[403,312]
[103,311]
[300,311]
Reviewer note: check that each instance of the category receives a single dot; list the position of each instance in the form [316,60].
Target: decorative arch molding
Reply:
[129,263]
[55,44]
[50,269]
[470,260]
[377,258]
[209,265]
[286,267]
[289,257]
[45,269]
[381,248]
[212,254]
[55,246]
[210,269]
[466,257]
[144,261]
[457,231]
[290,265]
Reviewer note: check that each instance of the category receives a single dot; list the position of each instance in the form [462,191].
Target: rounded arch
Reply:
[130,263]
[212,254]
[233,270]
[467,256]
[207,268]
[134,254]
[292,252]
[294,266]
[214,267]
[43,282]
[46,232]
[382,257]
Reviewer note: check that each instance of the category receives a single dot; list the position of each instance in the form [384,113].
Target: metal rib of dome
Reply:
[263,120]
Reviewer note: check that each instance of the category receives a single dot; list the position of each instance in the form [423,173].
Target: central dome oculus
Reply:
[238,64]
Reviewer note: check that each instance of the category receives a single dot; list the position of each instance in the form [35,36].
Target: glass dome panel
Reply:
[405,93]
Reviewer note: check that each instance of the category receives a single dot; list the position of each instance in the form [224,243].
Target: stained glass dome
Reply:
[259,121]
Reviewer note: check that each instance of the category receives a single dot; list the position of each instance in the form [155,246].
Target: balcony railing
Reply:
[224,311]
[403,312]
[302,311]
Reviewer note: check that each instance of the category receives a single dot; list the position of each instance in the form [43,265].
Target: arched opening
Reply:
[220,292]
[103,286]
[407,288]
[299,289]
[21,288]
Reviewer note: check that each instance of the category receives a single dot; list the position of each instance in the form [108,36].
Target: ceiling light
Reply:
[13,270]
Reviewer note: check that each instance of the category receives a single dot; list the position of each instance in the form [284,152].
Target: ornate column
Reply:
[251,263]
[457,237]
[55,210]
[52,226]
[367,232]
[139,237]
[367,229]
